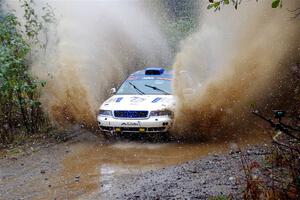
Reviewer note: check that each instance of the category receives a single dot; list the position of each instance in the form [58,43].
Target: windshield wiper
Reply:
[137,89]
[158,89]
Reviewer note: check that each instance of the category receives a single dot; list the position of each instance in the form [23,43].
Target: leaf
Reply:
[275,3]
[226,1]
[216,5]
[35,103]
[210,6]
[43,83]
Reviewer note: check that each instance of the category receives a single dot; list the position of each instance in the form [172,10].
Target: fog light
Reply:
[118,129]
[142,129]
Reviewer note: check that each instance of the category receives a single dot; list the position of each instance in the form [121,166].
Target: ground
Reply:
[212,176]
[84,166]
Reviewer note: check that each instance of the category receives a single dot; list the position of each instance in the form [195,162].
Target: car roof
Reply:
[141,74]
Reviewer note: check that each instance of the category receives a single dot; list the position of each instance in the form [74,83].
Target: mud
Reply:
[88,167]
[212,176]
[28,177]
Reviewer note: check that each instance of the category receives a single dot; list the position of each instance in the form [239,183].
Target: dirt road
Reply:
[87,167]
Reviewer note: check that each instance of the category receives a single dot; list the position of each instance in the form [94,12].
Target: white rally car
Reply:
[143,104]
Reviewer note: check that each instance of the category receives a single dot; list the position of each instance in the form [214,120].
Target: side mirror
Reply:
[113,91]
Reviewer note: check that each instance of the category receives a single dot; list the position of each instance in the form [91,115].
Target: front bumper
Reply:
[149,125]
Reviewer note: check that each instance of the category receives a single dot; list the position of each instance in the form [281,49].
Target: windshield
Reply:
[146,86]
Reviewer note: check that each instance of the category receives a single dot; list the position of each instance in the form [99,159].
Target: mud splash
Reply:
[92,47]
[70,103]
[237,61]
[104,43]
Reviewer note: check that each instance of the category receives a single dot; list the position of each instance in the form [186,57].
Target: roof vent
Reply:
[154,71]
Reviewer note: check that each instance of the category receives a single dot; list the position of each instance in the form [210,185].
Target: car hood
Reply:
[139,102]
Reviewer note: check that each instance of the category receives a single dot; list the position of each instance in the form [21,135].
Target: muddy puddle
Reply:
[90,167]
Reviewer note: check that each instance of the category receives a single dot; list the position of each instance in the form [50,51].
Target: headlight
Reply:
[105,112]
[162,113]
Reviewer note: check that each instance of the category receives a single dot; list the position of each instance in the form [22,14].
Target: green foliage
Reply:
[20,107]
[32,23]
[216,4]
[276,3]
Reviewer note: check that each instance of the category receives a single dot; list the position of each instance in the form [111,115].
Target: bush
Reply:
[282,169]
[20,108]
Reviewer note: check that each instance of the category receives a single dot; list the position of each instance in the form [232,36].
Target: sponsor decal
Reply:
[139,77]
[130,124]
[148,78]
[168,79]
[137,99]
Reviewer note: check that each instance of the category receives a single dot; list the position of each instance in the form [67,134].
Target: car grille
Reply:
[130,114]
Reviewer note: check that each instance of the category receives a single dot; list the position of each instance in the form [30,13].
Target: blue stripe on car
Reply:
[156,100]
[119,99]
